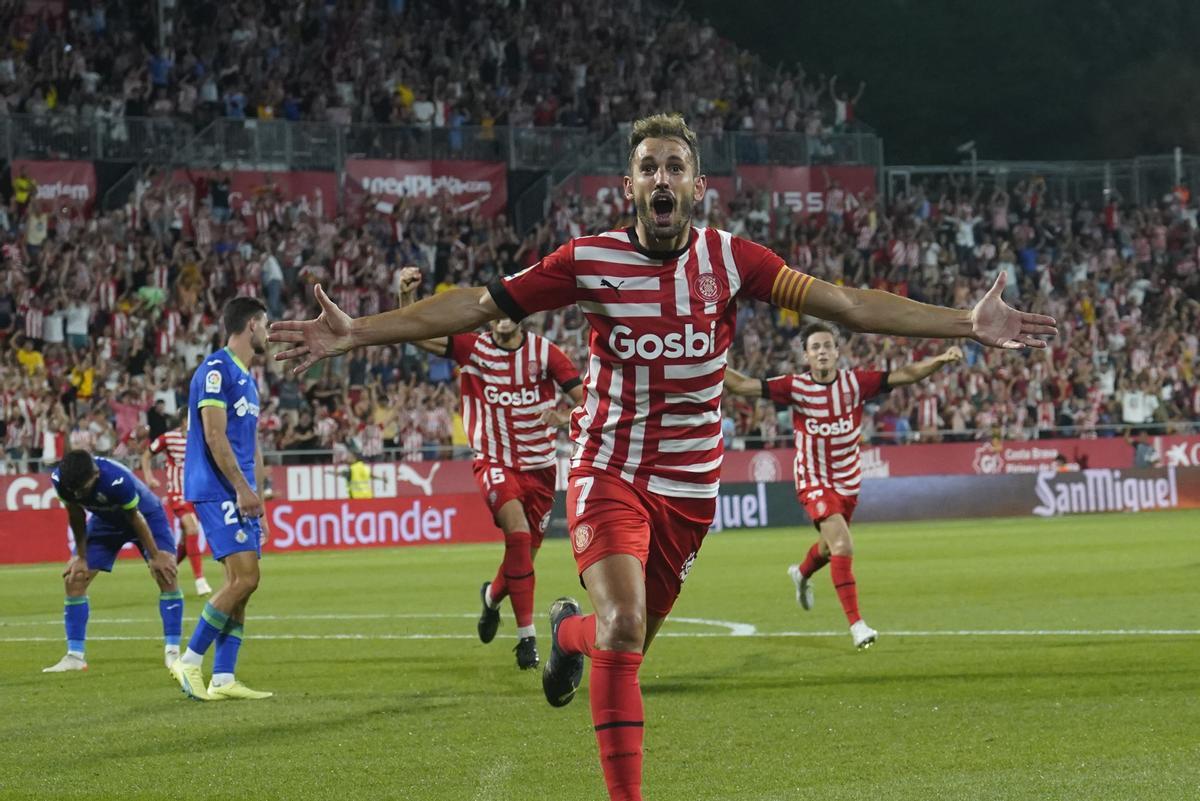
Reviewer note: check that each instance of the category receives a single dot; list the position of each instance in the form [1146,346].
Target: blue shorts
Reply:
[226,530]
[105,539]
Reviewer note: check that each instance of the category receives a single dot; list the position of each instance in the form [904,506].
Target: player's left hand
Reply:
[162,566]
[553,417]
[995,323]
[320,338]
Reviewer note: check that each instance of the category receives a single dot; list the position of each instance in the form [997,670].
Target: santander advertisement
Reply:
[469,185]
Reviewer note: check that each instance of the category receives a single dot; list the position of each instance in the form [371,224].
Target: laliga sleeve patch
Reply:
[212,381]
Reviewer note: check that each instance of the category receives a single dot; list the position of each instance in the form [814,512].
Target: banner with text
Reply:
[805,189]
[469,185]
[61,183]
[41,535]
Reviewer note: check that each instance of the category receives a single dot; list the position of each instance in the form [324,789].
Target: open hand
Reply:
[995,323]
[327,335]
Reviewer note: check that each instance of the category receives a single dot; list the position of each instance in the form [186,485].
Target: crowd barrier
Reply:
[31,535]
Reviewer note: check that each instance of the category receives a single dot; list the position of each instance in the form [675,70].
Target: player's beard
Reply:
[681,217]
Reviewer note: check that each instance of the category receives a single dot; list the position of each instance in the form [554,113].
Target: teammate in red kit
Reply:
[827,406]
[173,444]
[661,298]
[509,382]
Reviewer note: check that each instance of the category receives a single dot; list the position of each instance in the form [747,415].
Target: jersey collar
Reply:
[660,255]
[236,360]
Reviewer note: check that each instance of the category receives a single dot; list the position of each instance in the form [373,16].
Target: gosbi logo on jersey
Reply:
[705,287]
[691,342]
[581,537]
[843,426]
[525,397]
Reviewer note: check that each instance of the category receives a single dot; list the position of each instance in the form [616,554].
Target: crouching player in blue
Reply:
[123,510]
[220,469]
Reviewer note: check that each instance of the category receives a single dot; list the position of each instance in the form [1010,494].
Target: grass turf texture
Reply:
[1082,716]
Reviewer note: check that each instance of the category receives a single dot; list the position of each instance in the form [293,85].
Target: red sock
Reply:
[617,715]
[192,546]
[516,576]
[577,634]
[843,583]
[813,561]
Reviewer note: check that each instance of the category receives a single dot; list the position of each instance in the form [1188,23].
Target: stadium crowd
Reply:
[522,63]
[103,320]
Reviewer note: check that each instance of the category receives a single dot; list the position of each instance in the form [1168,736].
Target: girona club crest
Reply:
[581,537]
[705,287]
[533,370]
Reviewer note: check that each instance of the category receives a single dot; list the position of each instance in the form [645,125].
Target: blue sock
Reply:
[212,621]
[170,608]
[75,615]
[229,642]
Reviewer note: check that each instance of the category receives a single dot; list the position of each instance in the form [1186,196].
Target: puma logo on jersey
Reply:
[604,282]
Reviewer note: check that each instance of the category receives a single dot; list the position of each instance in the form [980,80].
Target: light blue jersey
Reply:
[220,381]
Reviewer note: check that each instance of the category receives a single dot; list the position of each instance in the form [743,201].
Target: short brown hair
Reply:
[664,126]
[817,328]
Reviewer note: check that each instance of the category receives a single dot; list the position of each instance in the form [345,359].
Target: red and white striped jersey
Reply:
[828,422]
[174,444]
[504,393]
[661,325]
[929,417]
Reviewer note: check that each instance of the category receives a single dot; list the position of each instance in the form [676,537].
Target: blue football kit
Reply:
[222,381]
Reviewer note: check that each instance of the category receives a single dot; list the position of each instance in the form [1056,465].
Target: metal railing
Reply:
[99,138]
[1138,180]
[437,452]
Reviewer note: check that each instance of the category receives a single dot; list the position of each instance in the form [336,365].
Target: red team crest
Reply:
[706,288]
[581,538]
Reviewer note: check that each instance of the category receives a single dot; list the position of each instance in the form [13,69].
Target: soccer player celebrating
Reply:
[509,381]
[223,478]
[123,510]
[661,297]
[173,443]
[827,405]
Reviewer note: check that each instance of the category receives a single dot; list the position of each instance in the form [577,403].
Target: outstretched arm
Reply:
[335,332]
[992,322]
[917,371]
[738,384]
[410,280]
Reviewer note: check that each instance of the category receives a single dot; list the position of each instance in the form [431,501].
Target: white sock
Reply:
[77,654]
[190,657]
[487,598]
[171,649]
[221,679]
[526,631]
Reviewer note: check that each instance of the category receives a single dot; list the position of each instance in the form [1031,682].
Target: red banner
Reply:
[61,183]
[468,185]
[380,523]
[804,188]
[34,536]
[971,458]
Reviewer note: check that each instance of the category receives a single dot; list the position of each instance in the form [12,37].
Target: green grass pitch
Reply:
[1018,659]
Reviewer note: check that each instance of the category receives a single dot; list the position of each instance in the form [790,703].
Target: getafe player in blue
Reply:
[123,510]
[223,478]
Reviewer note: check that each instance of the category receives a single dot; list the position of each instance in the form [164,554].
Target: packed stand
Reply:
[104,320]
[592,64]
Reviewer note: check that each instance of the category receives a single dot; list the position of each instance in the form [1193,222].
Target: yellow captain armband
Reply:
[790,289]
